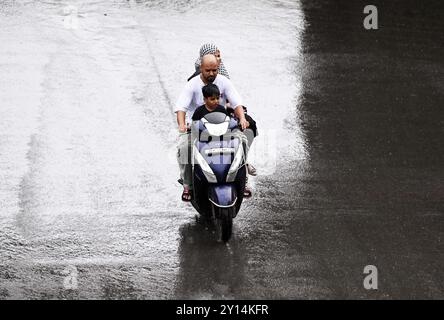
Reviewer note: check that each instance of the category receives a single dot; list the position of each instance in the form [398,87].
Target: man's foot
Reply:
[186,194]
[251,170]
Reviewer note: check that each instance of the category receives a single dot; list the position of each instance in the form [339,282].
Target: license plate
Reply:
[220,151]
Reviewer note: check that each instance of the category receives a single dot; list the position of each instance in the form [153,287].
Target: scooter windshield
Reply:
[218,129]
[217,123]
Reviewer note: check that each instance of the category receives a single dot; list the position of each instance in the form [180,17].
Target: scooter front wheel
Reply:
[225,223]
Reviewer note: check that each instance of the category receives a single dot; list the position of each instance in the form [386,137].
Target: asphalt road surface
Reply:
[350,152]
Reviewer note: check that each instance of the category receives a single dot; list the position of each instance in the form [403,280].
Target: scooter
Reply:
[219,171]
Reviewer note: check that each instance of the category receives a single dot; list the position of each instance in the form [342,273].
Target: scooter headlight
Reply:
[199,159]
[235,164]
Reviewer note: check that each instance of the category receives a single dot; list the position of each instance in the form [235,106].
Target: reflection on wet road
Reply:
[349,153]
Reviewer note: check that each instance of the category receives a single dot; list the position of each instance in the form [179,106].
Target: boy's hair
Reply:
[210,90]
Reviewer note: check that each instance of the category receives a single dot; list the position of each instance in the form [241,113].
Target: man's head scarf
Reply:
[210,48]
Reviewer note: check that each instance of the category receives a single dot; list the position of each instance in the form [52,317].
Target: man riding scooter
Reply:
[190,99]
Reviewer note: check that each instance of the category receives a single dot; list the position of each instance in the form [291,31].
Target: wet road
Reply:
[350,150]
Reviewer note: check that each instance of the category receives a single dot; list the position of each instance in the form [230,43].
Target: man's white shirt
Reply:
[191,96]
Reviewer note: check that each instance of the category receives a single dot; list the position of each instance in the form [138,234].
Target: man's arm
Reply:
[182,105]
[181,121]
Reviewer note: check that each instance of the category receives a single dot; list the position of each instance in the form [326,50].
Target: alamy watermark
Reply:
[71,20]
[371,280]
[264,151]
[371,20]
[70,282]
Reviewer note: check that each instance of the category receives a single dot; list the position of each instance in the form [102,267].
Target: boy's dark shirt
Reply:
[202,111]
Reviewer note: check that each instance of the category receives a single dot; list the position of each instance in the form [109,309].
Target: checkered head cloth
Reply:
[210,48]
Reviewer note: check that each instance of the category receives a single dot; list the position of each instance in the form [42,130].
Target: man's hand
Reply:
[183,128]
[239,113]
[244,124]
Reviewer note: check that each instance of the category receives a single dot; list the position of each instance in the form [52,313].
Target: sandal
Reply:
[247,192]
[186,195]
[251,170]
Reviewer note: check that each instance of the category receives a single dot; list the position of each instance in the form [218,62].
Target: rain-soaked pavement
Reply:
[350,150]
